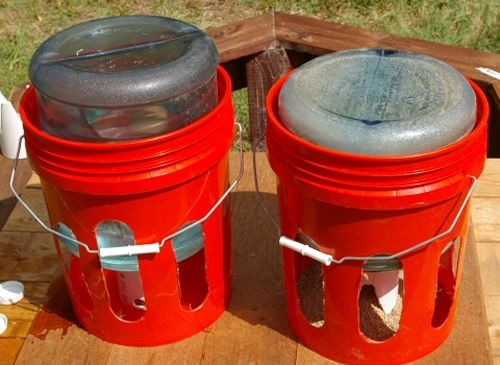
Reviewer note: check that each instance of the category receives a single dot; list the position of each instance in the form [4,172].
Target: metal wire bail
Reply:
[136,249]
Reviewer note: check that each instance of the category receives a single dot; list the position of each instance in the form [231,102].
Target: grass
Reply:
[24,24]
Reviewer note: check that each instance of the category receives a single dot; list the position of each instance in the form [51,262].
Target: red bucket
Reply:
[364,206]
[141,191]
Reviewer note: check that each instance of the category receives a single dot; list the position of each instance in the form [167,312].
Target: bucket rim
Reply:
[134,143]
[275,120]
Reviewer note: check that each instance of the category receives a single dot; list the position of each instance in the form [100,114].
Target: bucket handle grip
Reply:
[129,250]
[327,260]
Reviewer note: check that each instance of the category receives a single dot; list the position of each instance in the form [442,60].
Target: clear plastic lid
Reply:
[124,77]
[378,102]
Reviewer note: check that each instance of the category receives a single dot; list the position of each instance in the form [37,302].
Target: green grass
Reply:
[471,24]
[24,24]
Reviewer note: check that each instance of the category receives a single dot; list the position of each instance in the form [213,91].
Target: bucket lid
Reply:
[11,292]
[3,323]
[125,60]
[378,102]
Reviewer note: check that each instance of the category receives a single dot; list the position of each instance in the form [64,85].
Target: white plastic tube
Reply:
[489,72]
[305,250]
[129,250]
[386,285]
[11,129]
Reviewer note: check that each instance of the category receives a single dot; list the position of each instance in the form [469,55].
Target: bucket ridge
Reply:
[359,180]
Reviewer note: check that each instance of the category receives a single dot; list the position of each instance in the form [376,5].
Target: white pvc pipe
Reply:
[129,250]
[305,250]
[386,285]
[3,99]
[489,72]
[11,129]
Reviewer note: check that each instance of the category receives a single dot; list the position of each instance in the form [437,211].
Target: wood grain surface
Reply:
[254,328]
[315,36]
[243,38]
[486,217]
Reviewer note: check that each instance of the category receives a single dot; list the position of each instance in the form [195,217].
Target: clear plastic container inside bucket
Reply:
[378,102]
[123,78]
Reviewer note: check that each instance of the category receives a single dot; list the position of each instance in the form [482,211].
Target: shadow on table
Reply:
[258,294]
[56,312]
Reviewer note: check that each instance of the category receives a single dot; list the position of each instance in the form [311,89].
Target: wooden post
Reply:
[493,94]
[261,73]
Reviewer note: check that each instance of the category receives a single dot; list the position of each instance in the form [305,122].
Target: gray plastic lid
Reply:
[129,60]
[378,102]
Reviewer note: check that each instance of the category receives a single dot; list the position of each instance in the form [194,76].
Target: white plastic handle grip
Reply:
[305,250]
[129,250]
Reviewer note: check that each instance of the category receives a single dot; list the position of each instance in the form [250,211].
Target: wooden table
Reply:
[255,52]
[254,329]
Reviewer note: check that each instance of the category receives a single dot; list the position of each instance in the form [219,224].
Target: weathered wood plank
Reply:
[59,348]
[318,37]
[486,217]
[262,72]
[10,347]
[34,181]
[488,185]
[254,328]
[314,36]
[463,59]
[240,39]
[7,200]
[489,261]
[493,312]
[27,256]
[243,38]
[20,317]
[493,94]
[20,220]
[54,338]
[187,352]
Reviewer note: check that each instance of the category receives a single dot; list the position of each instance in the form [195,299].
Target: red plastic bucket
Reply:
[152,187]
[354,205]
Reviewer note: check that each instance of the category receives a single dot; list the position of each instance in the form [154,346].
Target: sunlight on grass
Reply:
[25,24]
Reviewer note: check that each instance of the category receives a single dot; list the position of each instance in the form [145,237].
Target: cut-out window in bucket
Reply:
[189,251]
[70,256]
[446,281]
[121,274]
[380,300]
[309,284]
[69,249]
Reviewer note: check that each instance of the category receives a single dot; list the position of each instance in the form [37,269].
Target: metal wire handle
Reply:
[136,249]
[326,259]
